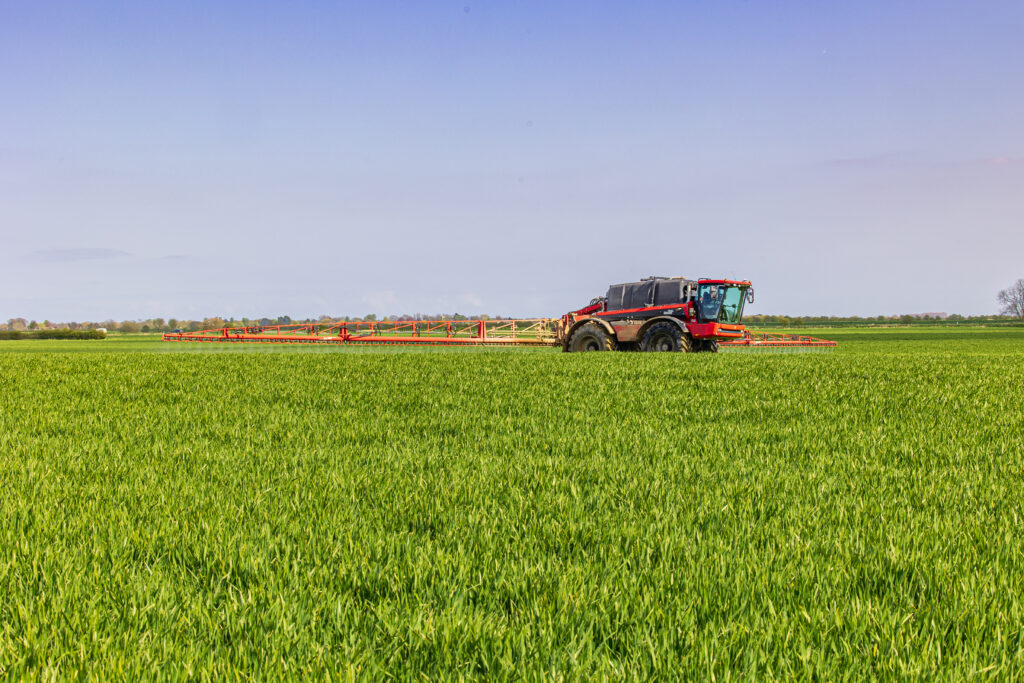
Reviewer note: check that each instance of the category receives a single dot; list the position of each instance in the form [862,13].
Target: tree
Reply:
[1012,300]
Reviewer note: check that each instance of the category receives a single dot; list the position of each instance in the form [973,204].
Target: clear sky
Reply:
[257,159]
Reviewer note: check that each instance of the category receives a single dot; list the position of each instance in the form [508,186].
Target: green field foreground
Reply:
[223,512]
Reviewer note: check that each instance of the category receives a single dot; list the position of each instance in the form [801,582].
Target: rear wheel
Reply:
[665,337]
[591,337]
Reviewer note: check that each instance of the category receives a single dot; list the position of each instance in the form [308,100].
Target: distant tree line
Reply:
[57,333]
[159,325]
[853,320]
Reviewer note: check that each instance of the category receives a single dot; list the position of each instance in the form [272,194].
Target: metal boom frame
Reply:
[517,332]
[502,332]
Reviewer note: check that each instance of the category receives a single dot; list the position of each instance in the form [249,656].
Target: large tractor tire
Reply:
[665,336]
[708,346]
[591,337]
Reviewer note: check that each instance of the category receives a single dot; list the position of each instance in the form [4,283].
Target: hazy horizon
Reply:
[191,161]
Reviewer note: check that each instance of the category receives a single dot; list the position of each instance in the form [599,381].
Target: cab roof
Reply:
[738,283]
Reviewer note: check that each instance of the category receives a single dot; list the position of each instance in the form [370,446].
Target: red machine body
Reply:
[661,314]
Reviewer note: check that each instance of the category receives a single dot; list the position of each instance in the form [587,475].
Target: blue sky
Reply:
[249,159]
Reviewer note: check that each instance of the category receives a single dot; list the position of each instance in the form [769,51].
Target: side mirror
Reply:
[750,295]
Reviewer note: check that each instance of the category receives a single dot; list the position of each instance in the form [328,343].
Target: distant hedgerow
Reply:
[52,334]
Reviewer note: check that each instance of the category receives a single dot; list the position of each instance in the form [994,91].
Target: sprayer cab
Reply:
[721,301]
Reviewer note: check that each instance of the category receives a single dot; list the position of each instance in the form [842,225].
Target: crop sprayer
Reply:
[654,314]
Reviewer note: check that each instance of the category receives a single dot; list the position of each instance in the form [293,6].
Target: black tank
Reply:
[656,291]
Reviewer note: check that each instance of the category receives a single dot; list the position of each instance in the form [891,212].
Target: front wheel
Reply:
[708,345]
[590,337]
[665,337]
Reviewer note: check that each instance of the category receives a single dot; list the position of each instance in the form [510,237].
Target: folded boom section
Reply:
[774,340]
[519,332]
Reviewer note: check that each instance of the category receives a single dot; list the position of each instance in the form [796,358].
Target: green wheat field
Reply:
[171,512]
